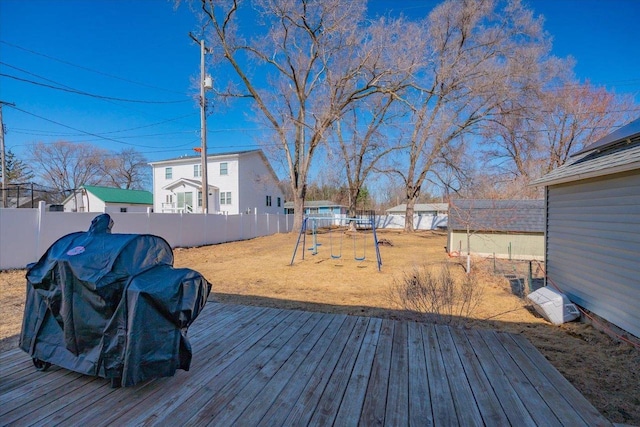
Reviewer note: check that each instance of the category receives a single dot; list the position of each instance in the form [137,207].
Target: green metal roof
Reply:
[118,195]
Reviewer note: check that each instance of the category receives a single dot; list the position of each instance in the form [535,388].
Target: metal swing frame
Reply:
[312,222]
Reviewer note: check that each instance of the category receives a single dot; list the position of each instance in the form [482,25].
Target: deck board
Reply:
[442,405]
[514,409]
[541,413]
[467,410]
[265,366]
[420,413]
[483,393]
[397,412]
[373,410]
[308,404]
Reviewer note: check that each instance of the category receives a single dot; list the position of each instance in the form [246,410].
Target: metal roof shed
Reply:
[593,227]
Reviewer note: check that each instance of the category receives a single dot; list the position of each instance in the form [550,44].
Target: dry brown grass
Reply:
[257,272]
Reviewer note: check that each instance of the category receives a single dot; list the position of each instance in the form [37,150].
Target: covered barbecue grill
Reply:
[111,305]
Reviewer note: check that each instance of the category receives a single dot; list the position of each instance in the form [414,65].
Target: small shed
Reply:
[93,198]
[426,216]
[593,227]
[433,209]
[512,229]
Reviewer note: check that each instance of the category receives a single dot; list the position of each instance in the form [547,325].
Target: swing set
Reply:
[310,225]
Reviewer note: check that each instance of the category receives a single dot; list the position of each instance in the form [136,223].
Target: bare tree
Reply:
[578,114]
[361,134]
[65,165]
[126,169]
[471,48]
[361,146]
[538,128]
[303,63]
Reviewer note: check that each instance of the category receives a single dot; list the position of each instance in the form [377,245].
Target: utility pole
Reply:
[4,161]
[203,133]
[205,83]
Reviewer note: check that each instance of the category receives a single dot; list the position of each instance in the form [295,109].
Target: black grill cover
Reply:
[111,305]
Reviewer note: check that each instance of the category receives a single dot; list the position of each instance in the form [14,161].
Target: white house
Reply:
[92,198]
[238,182]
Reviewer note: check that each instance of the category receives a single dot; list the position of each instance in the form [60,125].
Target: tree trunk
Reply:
[298,212]
[353,204]
[408,219]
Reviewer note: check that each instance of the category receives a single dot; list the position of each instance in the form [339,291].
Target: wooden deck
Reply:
[270,367]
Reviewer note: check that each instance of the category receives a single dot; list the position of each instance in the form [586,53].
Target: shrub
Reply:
[437,295]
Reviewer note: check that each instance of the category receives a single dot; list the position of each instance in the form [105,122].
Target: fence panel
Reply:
[54,225]
[168,226]
[25,234]
[131,222]
[18,240]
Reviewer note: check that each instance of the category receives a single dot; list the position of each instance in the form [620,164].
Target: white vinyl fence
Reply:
[26,234]
[420,222]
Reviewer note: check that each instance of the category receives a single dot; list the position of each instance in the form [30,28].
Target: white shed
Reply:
[93,198]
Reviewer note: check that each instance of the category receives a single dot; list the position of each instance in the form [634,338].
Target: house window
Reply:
[279,202]
[268,200]
[224,169]
[123,210]
[169,198]
[197,171]
[168,173]
[225,198]
[199,199]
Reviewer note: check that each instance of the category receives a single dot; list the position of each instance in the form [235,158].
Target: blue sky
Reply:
[140,50]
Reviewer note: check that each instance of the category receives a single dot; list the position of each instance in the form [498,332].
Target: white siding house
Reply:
[92,198]
[593,227]
[238,182]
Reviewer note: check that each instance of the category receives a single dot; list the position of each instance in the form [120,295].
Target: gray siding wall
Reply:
[593,245]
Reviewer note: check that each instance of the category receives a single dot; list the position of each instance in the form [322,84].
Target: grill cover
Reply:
[111,305]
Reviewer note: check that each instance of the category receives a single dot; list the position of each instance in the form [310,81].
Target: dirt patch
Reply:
[257,272]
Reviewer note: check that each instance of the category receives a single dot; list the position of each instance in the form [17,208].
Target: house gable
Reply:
[187,182]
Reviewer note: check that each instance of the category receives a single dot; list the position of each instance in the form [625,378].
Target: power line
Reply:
[80,130]
[87,68]
[93,95]
[33,74]
[67,135]
[43,132]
